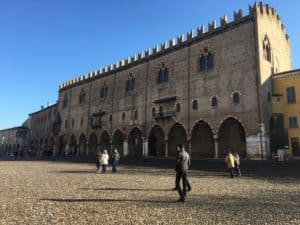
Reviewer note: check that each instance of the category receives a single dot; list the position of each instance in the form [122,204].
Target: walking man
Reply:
[188,184]
[183,163]
[115,159]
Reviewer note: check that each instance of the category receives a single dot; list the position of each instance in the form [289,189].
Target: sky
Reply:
[46,42]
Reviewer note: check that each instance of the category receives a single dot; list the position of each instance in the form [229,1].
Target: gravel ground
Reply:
[72,193]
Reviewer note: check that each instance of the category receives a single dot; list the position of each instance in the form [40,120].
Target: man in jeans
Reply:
[183,163]
[188,185]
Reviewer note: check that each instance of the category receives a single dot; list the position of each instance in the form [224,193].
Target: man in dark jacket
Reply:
[183,163]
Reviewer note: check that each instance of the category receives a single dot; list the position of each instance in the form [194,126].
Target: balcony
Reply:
[94,120]
[164,115]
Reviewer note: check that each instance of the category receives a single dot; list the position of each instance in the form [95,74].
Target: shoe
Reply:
[181,200]
[174,189]
[188,189]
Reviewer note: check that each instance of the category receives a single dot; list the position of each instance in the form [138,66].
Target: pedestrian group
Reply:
[183,162]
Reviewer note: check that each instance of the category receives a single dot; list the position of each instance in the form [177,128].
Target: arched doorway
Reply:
[202,140]
[156,142]
[232,136]
[135,143]
[73,145]
[177,135]
[93,144]
[63,140]
[118,141]
[105,141]
[82,145]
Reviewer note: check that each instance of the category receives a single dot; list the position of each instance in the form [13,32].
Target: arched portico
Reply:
[232,136]
[117,142]
[202,140]
[156,142]
[135,143]
[177,135]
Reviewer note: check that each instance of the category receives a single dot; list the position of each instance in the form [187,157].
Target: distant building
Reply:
[284,124]
[41,138]
[13,140]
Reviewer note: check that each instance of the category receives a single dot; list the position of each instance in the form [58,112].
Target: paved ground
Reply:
[40,192]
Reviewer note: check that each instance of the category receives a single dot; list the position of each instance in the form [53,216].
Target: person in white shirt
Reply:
[104,161]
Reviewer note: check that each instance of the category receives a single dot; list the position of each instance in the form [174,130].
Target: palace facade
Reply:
[210,90]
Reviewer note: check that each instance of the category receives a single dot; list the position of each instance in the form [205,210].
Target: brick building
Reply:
[209,90]
[41,138]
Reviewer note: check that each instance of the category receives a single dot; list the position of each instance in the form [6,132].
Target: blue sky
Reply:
[46,42]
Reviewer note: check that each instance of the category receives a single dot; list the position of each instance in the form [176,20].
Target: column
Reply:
[145,147]
[87,149]
[190,147]
[216,146]
[125,148]
[166,153]
[54,150]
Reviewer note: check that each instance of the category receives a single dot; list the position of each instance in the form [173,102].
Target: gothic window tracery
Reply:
[65,102]
[82,97]
[130,82]
[163,74]
[104,91]
[267,49]
[206,60]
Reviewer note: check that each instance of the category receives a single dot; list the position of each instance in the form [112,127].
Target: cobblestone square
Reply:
[40,192]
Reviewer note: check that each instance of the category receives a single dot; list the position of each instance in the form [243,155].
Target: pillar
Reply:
[145,147]
[87,149]
[125,147]
[190,147]
[166,153]
[216,146]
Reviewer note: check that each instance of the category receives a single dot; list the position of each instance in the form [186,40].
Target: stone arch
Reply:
[105,141]
[156,142]
[93,144]
[202,140]
[232,136]
[73,145]
[177,135]
[135,143]
[117,142]
[82,145]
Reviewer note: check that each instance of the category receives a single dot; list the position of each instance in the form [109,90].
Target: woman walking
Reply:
[104,161]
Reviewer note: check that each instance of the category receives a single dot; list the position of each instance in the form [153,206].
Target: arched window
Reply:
[130,83]
[65,101]
[81,121]
[153,111]
[123,116]
[178,107]
[135,114]
[82,97]
[214,101]
[110,118]
[206,60]
[163,74]
[236,98]
[66,124]
[267,49]
[104,91]
[195,104]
